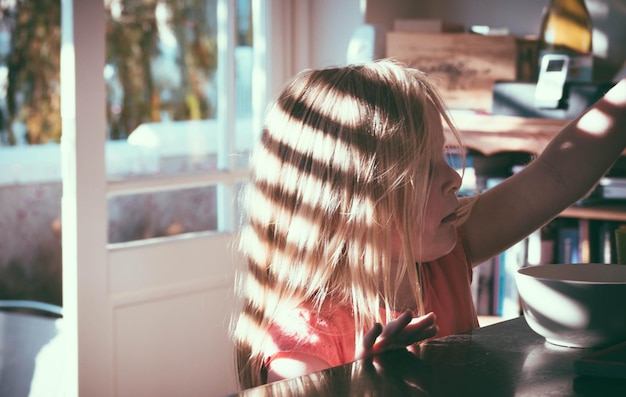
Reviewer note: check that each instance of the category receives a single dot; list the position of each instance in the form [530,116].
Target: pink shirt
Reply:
[330,336]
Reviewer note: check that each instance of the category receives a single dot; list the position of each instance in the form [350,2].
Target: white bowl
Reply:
[575,305]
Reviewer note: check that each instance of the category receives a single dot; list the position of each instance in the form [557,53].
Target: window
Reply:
[170,111]
[174,73]
[30,129]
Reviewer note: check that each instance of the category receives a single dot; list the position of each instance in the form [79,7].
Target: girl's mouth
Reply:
[450,218]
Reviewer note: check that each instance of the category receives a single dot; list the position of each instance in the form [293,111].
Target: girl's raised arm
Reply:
[565,171]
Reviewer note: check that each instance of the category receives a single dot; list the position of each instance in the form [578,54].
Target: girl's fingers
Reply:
[405,331]
[426,333]
[421,322]
[402,332]
[421,328]
[370,337]
[407,324]
[397,325]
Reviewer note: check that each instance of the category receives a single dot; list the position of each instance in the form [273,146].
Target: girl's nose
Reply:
[453,183]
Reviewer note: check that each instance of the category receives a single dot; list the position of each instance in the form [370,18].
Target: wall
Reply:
[333,23]
[521,17]
[384,13]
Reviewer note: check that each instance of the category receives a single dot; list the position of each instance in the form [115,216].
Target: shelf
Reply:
[490,134]
[602,213]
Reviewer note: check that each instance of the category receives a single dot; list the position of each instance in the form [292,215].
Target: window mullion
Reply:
[226,67]
[226,42]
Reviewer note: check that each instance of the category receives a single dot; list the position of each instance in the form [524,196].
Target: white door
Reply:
[148,221]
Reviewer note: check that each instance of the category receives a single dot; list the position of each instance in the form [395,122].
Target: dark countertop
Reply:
[504,359]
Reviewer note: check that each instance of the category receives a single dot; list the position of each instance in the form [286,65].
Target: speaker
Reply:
[366,44]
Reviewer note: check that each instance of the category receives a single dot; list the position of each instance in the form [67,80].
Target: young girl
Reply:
[353,221]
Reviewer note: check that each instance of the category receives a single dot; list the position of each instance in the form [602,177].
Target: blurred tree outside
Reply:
[161,59]
[30,103]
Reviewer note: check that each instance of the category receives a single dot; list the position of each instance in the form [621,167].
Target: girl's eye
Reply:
[454,157]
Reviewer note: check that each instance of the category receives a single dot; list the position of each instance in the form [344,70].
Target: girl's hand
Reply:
[397,334]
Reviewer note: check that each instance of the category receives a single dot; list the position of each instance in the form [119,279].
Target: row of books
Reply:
[582,240]
[494,289]
[564,240]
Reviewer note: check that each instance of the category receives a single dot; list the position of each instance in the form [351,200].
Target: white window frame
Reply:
[285,51]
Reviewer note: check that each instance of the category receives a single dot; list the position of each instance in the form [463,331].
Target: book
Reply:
[584,245]
[568,244]
[511,261]
[482,287]
[495,285]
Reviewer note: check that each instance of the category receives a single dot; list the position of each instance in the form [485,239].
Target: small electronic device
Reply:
[606,363]
[366,44]
[551,80]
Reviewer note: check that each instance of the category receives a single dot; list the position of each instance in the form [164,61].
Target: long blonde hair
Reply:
[343,163]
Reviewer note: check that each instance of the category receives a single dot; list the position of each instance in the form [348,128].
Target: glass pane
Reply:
[30,131]
[161,89]
[162,109]
[162,214]
[164,93]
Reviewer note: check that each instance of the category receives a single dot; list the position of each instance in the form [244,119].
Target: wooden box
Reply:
[463,66]
[427,26]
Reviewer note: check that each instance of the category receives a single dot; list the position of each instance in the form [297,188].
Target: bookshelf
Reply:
[491,135]
[599,213]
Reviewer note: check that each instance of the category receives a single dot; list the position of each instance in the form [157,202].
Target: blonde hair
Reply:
[343,163]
